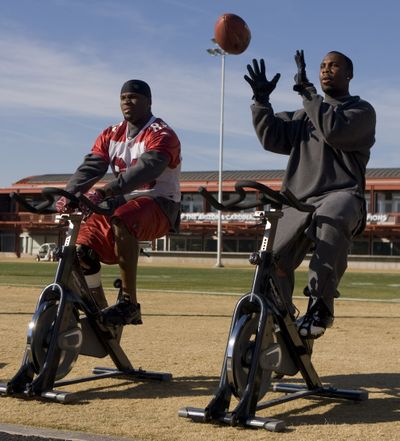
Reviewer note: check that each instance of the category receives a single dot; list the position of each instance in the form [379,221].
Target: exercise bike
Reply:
[67,321]
[263,343]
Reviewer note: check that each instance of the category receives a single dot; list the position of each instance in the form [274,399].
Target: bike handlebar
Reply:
[50,194]
[269,196]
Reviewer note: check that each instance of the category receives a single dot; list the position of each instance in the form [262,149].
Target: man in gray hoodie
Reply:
[328,142]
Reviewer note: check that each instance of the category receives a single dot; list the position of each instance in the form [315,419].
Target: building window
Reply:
[161,244]
[381,248]
[396,202]
[194,244]
[250,198]
[360,246]
[229,245]
[210,245]
[248,245]
[192,203]
[367,196]
[178,243]
[386,247]
[7,242]
[387,201]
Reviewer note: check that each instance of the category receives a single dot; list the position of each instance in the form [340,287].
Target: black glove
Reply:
[300,79]
[262,88]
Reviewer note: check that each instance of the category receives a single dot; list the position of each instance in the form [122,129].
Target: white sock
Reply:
[126,296]
[93,280]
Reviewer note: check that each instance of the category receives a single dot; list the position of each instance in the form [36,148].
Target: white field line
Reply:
[216,293]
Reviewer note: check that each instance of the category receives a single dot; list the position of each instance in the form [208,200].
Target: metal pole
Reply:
[221,158]
[218,51]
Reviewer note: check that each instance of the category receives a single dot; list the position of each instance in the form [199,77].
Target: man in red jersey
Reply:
[144,154]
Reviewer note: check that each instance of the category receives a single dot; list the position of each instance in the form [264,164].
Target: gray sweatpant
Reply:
[328,232]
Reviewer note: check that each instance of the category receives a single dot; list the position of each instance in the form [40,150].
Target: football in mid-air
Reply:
[232,34]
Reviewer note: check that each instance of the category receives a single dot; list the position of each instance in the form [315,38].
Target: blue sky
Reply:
[63,63]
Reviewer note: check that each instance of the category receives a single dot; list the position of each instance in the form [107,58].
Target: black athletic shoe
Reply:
[316,320]
[122,313]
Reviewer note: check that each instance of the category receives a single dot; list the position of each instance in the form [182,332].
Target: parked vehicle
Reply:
[46,252]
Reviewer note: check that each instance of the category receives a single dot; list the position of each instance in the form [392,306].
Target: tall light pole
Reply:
[215,52]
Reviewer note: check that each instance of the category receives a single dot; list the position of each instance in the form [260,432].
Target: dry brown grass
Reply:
[186,335]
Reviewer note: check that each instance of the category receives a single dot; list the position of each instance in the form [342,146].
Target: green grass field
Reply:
[380,286]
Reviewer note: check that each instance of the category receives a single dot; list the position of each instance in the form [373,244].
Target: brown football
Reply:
[232,34]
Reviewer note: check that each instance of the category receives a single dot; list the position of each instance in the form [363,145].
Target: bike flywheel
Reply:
[240,352]
[40,330]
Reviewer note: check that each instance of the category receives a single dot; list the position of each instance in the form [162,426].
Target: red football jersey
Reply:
[122,152]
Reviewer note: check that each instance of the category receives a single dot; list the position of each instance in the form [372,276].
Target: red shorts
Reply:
[142,216]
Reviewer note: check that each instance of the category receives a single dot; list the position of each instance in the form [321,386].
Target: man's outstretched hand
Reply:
[262,88]
[300,79]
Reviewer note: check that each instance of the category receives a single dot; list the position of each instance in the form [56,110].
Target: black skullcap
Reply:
[136,86]
[347,60]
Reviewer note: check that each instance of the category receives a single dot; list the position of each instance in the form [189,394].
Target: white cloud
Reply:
[38,77]
[42,78]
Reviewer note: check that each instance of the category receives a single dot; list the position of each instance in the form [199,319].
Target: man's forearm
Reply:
[87,174]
